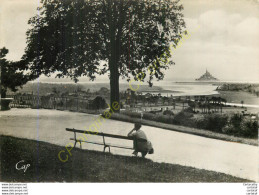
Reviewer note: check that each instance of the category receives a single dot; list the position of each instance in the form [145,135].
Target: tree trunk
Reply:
[113,58]
[114,73]
[3,93]
[4,105]
[114,85]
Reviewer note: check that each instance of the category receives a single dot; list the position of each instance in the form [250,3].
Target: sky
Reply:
[223,38]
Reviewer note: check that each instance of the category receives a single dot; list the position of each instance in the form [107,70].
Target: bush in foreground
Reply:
[234,124]
[241,126]
[213,122]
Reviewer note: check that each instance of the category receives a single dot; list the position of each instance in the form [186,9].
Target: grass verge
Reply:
[91,166]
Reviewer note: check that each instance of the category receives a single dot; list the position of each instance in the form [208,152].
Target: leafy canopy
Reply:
[72,37]
[12,74]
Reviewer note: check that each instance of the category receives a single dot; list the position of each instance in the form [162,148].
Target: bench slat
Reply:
[106,144]
[100,134]
[98,143]
[118,146]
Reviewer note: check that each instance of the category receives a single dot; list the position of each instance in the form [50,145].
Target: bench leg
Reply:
[105,146]
[75,144]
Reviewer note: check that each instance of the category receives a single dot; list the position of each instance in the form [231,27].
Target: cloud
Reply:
[14,15]
[223,37]
[224,42]
[222,27]
[247,32]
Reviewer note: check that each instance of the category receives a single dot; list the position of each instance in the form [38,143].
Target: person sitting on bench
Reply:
[140,143]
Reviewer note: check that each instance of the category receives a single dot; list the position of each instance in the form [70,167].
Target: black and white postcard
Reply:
[129,91]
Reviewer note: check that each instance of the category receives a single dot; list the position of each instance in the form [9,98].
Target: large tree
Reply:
[72,37]
[12,74]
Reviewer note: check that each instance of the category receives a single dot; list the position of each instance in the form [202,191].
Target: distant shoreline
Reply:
[102,82]
[161,91]
[217,82]
[175,88]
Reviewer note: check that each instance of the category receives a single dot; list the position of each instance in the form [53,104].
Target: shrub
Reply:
[216,122]
[241,126]
[248,128]
[168,112]
[183,118]
[229,129]
[164,119]
[236,124]
[213,122]
[189,109]
[149,116]
[235,120]
[200,123]
[132,114]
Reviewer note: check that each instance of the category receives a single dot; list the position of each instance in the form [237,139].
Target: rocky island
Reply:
[207,77]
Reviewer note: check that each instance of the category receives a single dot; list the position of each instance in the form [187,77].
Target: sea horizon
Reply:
[155,83]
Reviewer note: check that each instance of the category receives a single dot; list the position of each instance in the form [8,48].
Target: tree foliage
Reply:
[12,74]
[72,37]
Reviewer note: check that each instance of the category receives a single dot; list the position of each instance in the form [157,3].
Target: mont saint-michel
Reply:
[207,77]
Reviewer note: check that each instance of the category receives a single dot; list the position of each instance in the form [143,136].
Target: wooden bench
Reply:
[103,135]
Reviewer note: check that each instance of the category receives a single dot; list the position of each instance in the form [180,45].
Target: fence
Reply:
[80,104]
[48,102]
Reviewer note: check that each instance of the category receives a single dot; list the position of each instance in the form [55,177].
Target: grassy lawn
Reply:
[91,166]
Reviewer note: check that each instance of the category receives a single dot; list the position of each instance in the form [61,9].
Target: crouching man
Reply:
[140,143]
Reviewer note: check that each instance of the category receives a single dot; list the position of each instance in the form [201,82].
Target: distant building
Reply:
[207,77]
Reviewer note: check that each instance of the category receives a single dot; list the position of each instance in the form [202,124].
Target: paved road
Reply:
[172,147]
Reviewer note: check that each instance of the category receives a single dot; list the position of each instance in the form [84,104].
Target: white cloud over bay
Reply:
[223,40]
